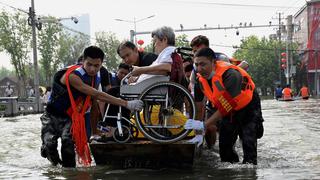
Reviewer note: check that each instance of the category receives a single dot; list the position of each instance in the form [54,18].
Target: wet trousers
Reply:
[53,128]
[245,123]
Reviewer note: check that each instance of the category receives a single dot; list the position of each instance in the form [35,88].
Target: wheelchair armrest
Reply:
[138,88]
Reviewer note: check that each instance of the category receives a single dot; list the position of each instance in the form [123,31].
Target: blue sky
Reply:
[189,13]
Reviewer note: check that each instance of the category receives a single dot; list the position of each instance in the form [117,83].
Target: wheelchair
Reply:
[167,105]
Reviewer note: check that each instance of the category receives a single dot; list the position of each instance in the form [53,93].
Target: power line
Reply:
[232,4]
[262,49]
[63,26]
[289,7]
[15,8]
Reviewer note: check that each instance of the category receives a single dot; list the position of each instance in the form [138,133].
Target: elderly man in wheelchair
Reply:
[167,104]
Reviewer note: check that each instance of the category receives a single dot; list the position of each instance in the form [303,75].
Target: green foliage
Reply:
[70,48]
[15,40]
[5,72]
[48,38]
[149,48]
[262,56]
[182,41]
[109,43]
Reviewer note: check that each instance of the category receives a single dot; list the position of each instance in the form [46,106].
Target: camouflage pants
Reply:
[54,127]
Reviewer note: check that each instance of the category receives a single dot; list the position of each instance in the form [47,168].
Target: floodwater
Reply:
[289,149]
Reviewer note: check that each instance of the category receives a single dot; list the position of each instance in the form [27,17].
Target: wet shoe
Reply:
[54,159]
[98,138]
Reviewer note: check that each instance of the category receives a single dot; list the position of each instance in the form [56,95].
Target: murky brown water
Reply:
[289,149]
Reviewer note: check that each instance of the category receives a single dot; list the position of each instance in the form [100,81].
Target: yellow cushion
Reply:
[178,118]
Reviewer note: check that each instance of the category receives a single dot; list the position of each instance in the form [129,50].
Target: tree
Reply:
[48,39]
[70,48]
[109,43]
[263,60]
[5,72]
[79,43]
[15,39]
[149,48]
[182,41]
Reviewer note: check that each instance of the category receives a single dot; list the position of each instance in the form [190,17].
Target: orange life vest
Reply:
[304,92]
[287,94]
[219,97]
[78,129]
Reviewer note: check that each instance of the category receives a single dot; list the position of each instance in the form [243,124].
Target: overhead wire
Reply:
[15,8]
[63,26]
[262,49]
[231,4]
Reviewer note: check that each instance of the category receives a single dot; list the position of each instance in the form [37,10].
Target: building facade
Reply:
[307,35]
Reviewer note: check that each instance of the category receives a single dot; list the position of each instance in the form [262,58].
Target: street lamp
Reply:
[35,22]
[135,24]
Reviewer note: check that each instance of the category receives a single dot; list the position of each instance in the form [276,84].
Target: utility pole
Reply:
[279,36]
[133,36]
[288,45]
[316,72]
[34,23]
[290,57]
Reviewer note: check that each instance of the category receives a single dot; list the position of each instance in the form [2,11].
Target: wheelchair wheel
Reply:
[125,137]
[167,106]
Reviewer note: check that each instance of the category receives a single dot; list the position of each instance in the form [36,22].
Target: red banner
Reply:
[313,44]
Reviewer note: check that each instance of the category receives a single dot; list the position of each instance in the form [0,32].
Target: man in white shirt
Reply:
[8,91]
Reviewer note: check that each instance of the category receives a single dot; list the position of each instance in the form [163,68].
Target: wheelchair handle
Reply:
[126,77]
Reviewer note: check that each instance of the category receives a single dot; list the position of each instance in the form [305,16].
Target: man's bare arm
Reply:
[159,69]
[213,119]
[78,84]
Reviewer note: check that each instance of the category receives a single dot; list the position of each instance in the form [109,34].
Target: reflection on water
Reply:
[289,149]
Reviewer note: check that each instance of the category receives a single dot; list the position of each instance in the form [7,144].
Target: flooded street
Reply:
[289,149]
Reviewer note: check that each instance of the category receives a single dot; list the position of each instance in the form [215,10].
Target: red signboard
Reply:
[313,44]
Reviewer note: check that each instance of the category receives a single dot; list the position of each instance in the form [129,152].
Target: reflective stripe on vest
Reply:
[219,97]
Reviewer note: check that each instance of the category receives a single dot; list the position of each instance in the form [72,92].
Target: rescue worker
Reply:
[232,92]
[197,43]
[304,92]
[287,93]
[70,99]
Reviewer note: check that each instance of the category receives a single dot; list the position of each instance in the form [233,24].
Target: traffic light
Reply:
[283,60]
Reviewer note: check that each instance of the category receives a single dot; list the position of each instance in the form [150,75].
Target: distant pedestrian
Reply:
[8,91]
[278,92]
[31,92]
[46,95]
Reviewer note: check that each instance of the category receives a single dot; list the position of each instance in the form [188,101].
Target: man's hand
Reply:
[194,124]
[198,139]
[132,79]
[136,71]
[135,105]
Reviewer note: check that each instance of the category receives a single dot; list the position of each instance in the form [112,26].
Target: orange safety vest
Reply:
[287,94]
[304,92]
[219,97]
[78,129]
